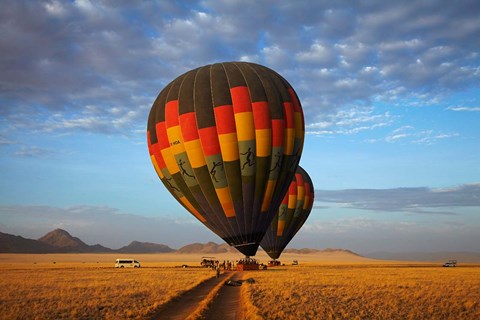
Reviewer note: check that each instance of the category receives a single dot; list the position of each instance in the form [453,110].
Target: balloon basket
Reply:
[249,264]
[248,267]
[274,263]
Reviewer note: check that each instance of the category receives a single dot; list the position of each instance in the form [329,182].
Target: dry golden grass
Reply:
[334,286]
[89,290]
[365,291]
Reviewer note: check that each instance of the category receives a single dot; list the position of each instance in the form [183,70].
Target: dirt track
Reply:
[225,304]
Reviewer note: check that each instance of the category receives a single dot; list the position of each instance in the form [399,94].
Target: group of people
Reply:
[247,260]
[215,264]
[226,265]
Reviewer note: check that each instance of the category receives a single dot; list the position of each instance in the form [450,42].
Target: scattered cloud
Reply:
[364,235]
[5,140]
[409,134]
[33,152]
[350,121]
[410,200]
[460,108]
[121,55]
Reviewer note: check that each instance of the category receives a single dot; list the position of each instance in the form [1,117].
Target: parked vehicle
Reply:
[209,262]
[450,263]
[127,263]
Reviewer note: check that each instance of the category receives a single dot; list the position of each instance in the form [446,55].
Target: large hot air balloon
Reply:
[225,140]
[291,215]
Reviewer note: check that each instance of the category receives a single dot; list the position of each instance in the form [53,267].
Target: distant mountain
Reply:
[64,242]
[327,250]
[17,244]
[440,256]
[145,247]
[59,238]
[210,248]
[60,241]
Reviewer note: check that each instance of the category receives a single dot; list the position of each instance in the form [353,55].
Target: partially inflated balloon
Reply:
[226,139]
[291,215]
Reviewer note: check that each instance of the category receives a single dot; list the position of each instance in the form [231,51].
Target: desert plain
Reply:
[333,285]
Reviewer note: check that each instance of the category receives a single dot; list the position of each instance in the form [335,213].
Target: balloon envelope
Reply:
[291,215]
[226,139]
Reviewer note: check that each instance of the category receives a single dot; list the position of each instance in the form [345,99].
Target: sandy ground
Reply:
[175,259]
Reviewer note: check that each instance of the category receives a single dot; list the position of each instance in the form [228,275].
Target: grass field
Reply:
[89,290]
[333,287]
[366,291]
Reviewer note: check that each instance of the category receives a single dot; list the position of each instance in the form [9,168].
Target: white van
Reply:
[127,263]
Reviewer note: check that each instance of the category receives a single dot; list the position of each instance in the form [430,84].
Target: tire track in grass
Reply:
[226,305]
[186,304]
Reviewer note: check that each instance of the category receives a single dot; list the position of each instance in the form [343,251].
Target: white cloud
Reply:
[461,108]
[318,54]
[275,56]
[106,58]
[33,152]
[5,140]
[407,134]
[55,8]
[365,234]
[414,200]
[350,121]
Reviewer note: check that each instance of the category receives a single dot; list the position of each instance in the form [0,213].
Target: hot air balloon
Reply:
[291,215]
[225,139]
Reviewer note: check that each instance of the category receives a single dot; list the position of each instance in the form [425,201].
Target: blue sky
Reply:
[390,93]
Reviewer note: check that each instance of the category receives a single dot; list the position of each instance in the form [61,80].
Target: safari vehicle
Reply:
[450,263]
[127,263]
[295,263]
[208,262]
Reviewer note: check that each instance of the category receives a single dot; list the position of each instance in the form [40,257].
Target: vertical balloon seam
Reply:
[284,173]
[268,215]
[199,195]
[246,230]
[152,133]
[222,219]
[264,218]
[209,141]
[176,141]
[257,185]
[170,185]
[227,164]
[272,182]
[274,245]
[194,209]
[242,108]
[305,212]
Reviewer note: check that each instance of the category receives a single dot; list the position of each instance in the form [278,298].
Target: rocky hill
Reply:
[17,244]
[209,248]
[145,247]
[62,241]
